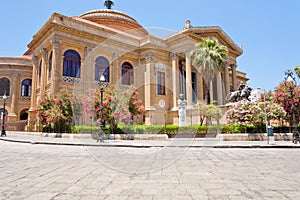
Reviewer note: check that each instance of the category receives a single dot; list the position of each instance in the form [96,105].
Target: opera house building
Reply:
[69,53]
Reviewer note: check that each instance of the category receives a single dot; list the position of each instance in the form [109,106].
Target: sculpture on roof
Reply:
[108,4]
[187,25]
[243,92]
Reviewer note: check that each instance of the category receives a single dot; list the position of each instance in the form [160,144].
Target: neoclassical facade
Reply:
[69,53]
[16,83]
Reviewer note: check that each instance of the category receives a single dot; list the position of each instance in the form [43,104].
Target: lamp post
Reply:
[290,83]
[3,132]
[102,79]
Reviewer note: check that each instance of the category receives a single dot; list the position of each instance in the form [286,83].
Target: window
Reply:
[71,64]
[102,66]
[161,83]
[4,86]
[26,88]
[127,74]
[50,66]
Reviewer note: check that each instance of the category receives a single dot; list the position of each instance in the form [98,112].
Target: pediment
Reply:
[197,33]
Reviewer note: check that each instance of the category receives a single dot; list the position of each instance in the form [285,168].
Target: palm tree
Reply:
[209,57]
[297,70]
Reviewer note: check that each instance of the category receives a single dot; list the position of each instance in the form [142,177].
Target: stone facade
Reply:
[65,52]
[17,72]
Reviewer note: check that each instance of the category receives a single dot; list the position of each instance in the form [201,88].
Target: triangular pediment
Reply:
[197,33]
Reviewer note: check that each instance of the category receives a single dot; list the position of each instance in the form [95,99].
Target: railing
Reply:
[69,79]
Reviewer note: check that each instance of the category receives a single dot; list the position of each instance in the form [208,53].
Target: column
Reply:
[226,79]
[175,79]
[188,68]
[15,85]
[56,66]
[234,81]
[148,80]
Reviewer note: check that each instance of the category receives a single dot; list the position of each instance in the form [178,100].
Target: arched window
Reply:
[26,88]
[50,66]
[127,74]
[71,64]
[40,72]
[102,67]
[4,86]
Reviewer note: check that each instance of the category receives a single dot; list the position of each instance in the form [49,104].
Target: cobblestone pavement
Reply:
[74,172]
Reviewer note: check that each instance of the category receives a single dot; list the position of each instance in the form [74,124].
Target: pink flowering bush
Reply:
[283,97]
[61,107]
[119,105]
[254,113]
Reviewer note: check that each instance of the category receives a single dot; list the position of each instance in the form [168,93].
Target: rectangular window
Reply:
[161,83]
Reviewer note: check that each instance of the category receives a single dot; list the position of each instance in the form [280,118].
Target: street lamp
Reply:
[290,83]
[3,132]
[102,79]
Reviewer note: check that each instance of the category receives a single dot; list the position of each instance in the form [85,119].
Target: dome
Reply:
[115,19]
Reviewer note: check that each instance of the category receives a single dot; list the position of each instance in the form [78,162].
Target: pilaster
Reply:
[44,53]
[148,79]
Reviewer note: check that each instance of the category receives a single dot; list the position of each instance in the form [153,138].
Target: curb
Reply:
[148,146]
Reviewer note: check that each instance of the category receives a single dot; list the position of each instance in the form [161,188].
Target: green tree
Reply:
[297,70]
[208,111]
[209,57]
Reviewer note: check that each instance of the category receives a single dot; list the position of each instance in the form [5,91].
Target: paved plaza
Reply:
[33,171]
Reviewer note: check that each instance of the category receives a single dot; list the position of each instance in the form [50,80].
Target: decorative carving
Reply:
[89,49]
[55,42]
[149,58]
[116,56]
[160,65]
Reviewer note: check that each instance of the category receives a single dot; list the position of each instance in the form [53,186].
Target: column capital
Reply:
[44,53]
[15,75]
[35,60]
[173,56]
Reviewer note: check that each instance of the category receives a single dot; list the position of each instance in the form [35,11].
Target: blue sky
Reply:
[268,30]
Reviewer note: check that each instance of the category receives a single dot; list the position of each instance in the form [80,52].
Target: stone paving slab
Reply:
[72,172]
